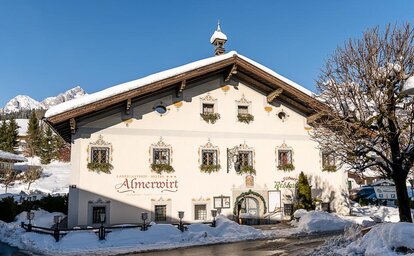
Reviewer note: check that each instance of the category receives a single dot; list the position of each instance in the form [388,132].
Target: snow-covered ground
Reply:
[158,236]
[54,180]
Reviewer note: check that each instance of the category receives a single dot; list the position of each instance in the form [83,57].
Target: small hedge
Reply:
[286,167]
[100,167]
[210,117]
[245,118]
[329,168]
[247,169]
[159,168]
[10,208]
[210,168]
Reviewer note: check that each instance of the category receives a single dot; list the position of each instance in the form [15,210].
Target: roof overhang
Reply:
[246,72]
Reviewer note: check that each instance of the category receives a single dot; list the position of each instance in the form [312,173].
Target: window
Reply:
[243,110]
[208,108]
[160,109]
[200,212]
[209,157]
[161,156]
[160,213]
[245,158]
[96,214]
[328,159]
[284,157]
[100,155]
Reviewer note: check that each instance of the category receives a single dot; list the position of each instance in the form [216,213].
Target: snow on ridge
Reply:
[131,85]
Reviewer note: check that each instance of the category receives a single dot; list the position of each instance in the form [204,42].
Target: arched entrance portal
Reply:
[249,207]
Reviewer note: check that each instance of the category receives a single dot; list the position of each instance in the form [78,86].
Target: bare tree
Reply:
[31,175]
[369,121]
[8,177]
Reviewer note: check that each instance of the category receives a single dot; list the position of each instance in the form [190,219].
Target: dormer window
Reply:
[243,110]
[209,109]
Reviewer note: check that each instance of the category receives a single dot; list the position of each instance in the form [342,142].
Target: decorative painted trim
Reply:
[163,167]
[99,143]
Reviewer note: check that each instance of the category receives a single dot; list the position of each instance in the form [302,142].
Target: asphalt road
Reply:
[294,246]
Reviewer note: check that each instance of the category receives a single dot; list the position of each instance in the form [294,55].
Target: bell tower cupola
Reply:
[218,39]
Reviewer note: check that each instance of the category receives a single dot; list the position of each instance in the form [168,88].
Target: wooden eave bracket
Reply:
[181,88]
[72,123]
[128,106]
[232,72]
[274,94]
[314,117]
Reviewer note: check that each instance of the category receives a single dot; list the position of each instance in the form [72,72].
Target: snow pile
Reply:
[54,180]
[384,239]
[10,156]
[299,213]
[315,221]
[158,236]
[42,218]
[334,245]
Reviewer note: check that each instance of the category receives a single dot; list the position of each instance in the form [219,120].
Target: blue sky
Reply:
[47,47]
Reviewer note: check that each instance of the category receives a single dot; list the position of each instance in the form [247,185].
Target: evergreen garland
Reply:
[245,118]
[250,192]
[100,167]
[159,168]
[210,168]
[210,117]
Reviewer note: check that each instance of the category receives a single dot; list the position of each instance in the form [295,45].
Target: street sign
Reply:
[385,192]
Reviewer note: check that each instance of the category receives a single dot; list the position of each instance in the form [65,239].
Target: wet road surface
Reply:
[294,246]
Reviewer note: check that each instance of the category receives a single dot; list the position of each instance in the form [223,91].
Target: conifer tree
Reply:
[12,132]
[34,135]
[304,194]
[48,147]
[3,131]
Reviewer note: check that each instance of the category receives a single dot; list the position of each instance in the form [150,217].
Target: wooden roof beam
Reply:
[273,95]
[181,88]
[128,106]
[72,124]
[314,117]
[232,72]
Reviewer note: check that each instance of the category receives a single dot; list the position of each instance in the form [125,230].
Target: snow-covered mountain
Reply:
[73,93]
[24,102]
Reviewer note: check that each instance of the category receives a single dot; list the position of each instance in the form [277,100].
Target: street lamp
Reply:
[30,217]
[56,220]
[181,216]
[144,217]
[214,214]
[102,228]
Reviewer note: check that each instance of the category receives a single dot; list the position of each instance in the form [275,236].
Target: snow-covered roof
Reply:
[11,157]
[218,35]
[128,86]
